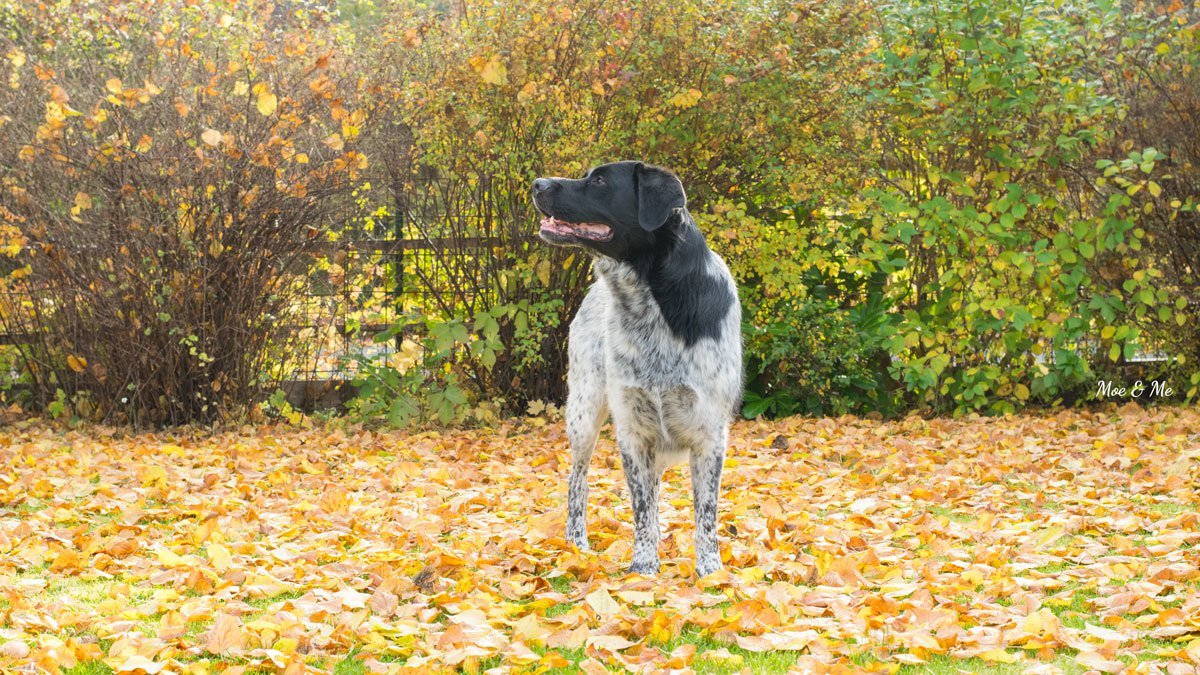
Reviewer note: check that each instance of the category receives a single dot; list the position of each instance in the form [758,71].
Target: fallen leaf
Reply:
[225,637]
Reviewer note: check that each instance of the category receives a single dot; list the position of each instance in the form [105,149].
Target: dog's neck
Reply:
[672,282]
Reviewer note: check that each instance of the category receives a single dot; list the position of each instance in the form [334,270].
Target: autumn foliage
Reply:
[946,207]
[746,103]
[166,167]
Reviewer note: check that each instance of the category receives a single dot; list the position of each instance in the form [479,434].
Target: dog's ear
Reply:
[659,194]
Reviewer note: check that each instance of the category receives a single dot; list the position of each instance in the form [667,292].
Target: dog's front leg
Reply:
[583,428]
[643,480]
[577,494]
[706,465]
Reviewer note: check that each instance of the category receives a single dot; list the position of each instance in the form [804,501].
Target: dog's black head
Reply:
[617,209]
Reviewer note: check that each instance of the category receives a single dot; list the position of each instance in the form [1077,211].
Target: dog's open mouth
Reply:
[589,231]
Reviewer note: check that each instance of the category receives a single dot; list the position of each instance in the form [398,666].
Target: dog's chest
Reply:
[641,349]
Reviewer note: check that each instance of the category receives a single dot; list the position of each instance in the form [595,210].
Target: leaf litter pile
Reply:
[1062,542]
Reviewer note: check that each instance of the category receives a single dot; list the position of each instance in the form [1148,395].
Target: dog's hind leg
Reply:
[706,465]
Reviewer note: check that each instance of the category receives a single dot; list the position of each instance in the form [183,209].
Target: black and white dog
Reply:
[657,343]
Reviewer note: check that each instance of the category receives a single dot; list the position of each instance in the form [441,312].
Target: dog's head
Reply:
[617,209]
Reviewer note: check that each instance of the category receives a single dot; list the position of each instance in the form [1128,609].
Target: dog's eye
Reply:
[596,180]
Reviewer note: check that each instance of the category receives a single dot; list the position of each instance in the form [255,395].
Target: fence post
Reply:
[398,264]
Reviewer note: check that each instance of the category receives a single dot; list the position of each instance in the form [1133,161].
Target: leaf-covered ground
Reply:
[1057,543]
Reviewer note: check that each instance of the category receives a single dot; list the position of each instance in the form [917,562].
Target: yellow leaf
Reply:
[114,85]
[168,558]
[1041,622]
[76,363]
[219,556]
[492,71]
[154,475]
[998,656]
[1193,650]
[602,602]
[211,137]
[286,645]
[267,103]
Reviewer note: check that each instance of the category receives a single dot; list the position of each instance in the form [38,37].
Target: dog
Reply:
[656,344]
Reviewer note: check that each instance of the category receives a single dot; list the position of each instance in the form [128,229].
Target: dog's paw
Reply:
[707,567]
[647,568]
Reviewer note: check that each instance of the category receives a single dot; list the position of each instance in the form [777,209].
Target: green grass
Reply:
[76,590]
[561,584]
[349,666]
[757,662]
[1169,508]
[89,668]
[561,608]
[1078,613]
[264,603]
[952,515]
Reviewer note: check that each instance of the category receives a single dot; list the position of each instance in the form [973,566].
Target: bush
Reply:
[813,358]
[496,95]
[168,166]
[814,327]
[1157,82]
[989,215]
[953,207]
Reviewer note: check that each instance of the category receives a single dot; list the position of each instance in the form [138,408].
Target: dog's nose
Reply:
[541,185]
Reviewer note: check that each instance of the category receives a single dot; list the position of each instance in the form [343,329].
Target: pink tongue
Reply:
[593,230]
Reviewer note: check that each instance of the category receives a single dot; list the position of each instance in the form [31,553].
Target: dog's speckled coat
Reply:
[657,345]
